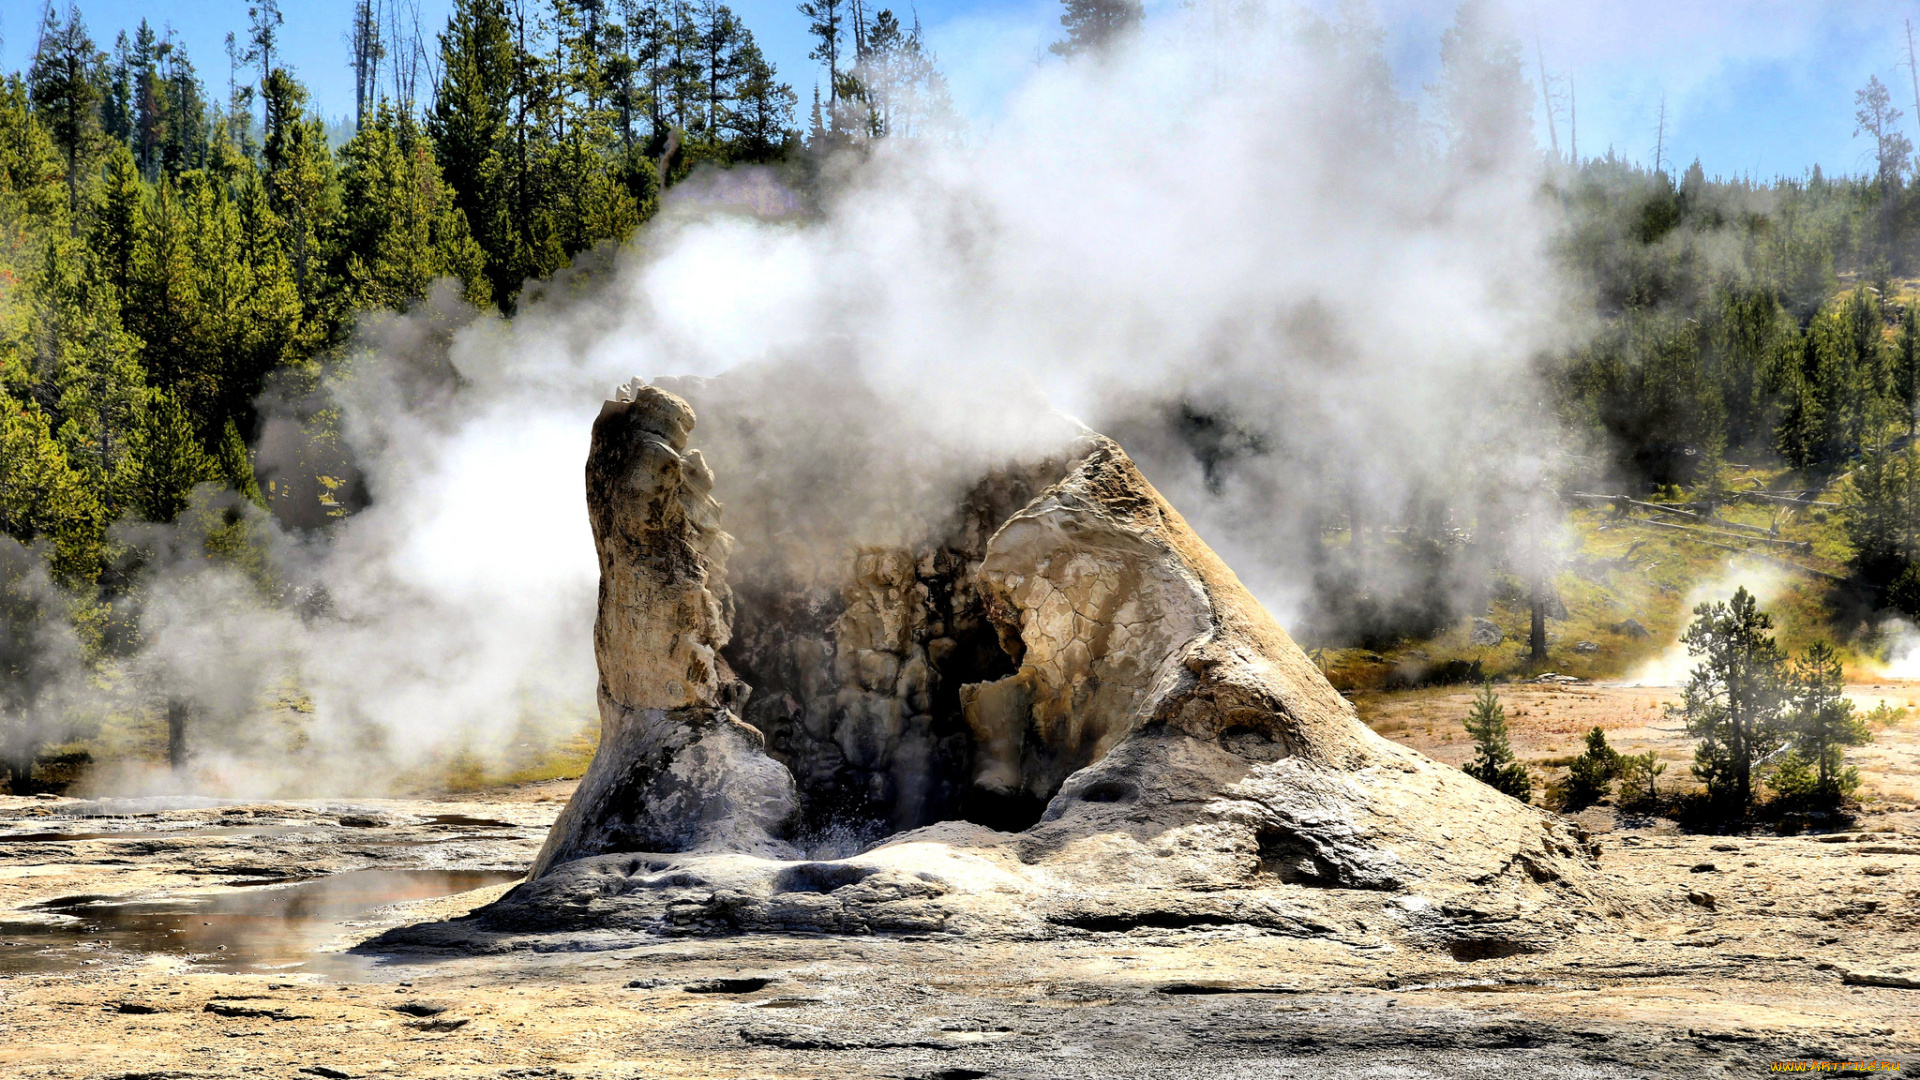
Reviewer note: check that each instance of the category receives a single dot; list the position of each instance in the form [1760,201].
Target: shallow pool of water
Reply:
[278,927]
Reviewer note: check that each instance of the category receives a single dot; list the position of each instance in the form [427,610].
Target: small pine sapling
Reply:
[1493,762]
[1591,775]
[1886,716]
[1638,776]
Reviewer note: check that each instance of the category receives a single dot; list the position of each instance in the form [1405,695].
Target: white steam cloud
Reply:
[1255,230]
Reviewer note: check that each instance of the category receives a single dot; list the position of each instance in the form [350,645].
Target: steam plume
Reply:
[1294,304]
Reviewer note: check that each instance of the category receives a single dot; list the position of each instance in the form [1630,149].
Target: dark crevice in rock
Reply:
[1291,858]
[1467,950]
[859,690]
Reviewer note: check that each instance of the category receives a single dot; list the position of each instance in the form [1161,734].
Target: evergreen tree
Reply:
[759,126]
[1637,770]
[1892,150]
[118,223]
[399,228]
[826,23]
[166,461]
[1906,367]
[722,39]
[299,179]
[116,104]
[95,378]
[905,93]
[162,304]
[1732,702]
[1483,97]
[1820,721]
[1881,517]
[45,496]
[1493,762]
[1094,26]
[68,79]
[1591,775]
[468,127]
[255,324]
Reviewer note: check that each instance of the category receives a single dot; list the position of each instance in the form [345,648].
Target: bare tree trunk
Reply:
[1537,631]
[177,713]
[19,773]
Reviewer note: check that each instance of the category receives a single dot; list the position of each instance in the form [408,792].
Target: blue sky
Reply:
[1762,88]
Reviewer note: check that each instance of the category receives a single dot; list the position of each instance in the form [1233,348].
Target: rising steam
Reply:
[1300,308]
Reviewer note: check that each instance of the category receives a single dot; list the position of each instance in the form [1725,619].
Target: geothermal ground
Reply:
[219,941]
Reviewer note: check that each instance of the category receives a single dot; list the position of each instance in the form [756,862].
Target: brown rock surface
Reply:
[676,770]
[1088,718]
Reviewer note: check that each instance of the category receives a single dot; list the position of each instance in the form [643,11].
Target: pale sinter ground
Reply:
[1760,973]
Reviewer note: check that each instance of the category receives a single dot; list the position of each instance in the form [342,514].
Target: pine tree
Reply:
[759,126]
[299,178]
[1484,101]
[1842,394]
[45,496]
[1094,26]
[1733,698]
[31,187]
[96,380]
[166,459]
[1639,769]
[1820,721]
[398,228]
[184,143]
[468,127]
[1892,150]
[907,94]
[826,24]
[1493,762]
[1906,367]
[118,223]
[162,303]
[1591,775]
[116,104]
[68,79]
[255,324]
[721,38]
[1880,516]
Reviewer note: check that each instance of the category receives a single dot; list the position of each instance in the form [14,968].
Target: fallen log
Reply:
[1803,546]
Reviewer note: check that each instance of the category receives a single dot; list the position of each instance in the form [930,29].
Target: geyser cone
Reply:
[1184,760]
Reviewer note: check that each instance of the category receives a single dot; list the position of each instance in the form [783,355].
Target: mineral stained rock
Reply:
[676,770]
[1057,708]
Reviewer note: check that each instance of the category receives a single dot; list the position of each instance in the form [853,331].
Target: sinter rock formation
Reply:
[1054,708]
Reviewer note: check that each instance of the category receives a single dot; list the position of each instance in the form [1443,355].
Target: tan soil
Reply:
[1679,988]
[1549,723]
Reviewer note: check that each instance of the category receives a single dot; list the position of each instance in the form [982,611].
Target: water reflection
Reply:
[275,927]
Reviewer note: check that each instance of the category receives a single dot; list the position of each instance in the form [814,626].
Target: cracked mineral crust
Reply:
[1052,708]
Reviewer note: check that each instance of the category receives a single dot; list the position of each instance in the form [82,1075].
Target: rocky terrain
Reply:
[1194,767]
[1797,956]
[1024,783]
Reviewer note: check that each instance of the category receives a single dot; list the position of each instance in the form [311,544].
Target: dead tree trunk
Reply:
[177,712]
[1537,631]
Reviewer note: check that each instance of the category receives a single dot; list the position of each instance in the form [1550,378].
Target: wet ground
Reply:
[1745,950]
[263,926]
